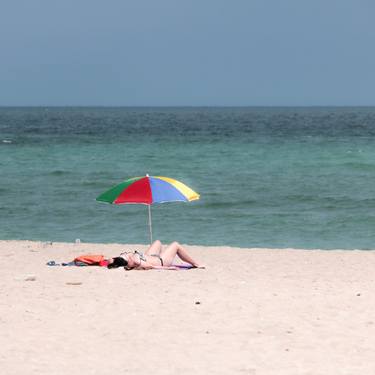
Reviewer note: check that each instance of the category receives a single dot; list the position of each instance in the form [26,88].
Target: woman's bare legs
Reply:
[155,248]
[176,249]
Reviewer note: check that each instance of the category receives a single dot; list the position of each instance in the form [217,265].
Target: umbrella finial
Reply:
[147,175]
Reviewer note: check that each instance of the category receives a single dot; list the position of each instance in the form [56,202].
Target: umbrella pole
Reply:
[150,222]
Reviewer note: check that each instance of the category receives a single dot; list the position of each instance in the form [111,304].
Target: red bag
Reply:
[90,260]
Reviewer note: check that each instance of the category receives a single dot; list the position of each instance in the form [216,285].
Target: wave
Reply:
[59,172]
[360,166]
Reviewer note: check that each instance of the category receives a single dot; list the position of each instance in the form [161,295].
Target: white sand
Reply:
[250,312]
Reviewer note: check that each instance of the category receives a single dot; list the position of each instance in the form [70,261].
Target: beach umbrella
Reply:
[148,190]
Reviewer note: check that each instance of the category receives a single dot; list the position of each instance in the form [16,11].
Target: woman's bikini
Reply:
[143,257]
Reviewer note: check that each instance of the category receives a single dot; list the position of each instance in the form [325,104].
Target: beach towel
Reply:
[83,260]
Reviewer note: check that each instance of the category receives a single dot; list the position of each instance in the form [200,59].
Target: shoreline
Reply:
[85,245]
[262,311]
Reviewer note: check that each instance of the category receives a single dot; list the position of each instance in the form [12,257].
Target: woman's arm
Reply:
[147,266]
[174,268]
[144,266]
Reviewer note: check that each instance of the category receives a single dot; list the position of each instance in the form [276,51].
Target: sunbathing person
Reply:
[155,257]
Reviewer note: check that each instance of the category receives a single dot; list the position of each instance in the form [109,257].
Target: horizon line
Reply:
[188,106]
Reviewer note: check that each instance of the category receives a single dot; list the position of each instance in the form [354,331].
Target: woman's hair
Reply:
[118,262]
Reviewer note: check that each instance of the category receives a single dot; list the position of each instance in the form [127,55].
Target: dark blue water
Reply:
[268,177]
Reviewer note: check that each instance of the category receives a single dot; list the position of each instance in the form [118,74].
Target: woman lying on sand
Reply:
[154,258]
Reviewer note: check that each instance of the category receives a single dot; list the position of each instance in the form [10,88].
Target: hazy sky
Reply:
[176,52]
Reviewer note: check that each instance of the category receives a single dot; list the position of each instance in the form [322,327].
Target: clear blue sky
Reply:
[176,52]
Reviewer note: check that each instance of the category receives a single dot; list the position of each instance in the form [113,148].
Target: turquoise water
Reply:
[268,177]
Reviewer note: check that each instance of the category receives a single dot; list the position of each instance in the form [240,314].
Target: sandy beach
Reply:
[251,311]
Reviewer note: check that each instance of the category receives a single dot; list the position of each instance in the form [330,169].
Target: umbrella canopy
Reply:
[148,190]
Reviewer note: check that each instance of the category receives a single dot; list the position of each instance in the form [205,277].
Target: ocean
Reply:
[268,177]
